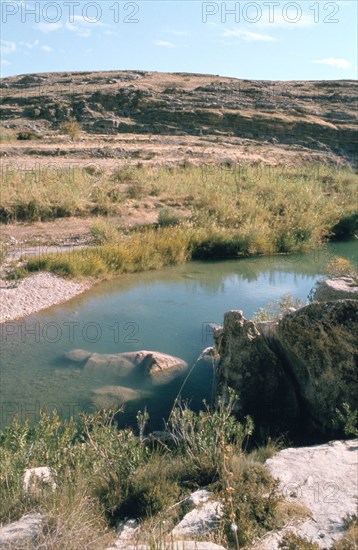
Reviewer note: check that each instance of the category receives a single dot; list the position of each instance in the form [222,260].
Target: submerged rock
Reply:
[338,288]
[324,479]
[118,364]
[78,355]
[113,396]
[153,363]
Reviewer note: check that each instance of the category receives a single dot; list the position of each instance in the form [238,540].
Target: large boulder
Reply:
[338,288]
[318,345]
[254,370]
[154,363]
[23,533]
[323,478]
[293,373]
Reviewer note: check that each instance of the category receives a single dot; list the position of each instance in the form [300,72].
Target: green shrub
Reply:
[203,437]
[347,420]
[291,541]
[168,217]
[71,127]
[135,190]
[25,135]
[251,500]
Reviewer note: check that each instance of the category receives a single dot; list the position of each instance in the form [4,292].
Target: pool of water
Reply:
[168,311]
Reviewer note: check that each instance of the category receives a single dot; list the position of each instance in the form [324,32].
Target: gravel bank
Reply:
[35,293]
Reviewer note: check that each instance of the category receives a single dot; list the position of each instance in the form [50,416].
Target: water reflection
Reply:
[168,311]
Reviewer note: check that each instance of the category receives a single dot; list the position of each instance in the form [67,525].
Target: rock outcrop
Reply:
[324,479]
[293,374]
[202,519]
[318,115]
[338,288]
[197,523]
[22,533]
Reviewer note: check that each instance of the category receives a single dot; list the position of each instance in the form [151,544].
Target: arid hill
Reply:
[316,118]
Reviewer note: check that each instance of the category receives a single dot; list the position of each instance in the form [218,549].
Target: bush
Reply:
[168,217]
[291,541]
[27,135]
[203,437]
[135,190]
[340,267]
[71,128]
[251,499]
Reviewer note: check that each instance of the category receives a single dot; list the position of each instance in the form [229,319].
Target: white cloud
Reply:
[7,47]
[278,20]
[175,32]
[30,45]
[249,36]
[5,62]
[164,44]
[81,26]
[334,62]
[48,27]
[35,45]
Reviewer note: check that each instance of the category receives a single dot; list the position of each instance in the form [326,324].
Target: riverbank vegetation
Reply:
[202,213]
[103,475]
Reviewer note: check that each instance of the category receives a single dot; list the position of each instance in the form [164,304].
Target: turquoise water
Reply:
[167,311]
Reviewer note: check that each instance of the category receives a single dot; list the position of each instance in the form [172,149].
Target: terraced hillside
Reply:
[317,117]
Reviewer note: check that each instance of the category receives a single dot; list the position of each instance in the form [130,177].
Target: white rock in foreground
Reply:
[34,478]
[181,545]
[126,533]
[22,532]
[324,478]
[199,521]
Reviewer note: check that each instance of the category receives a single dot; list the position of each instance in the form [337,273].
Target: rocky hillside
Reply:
[318,115]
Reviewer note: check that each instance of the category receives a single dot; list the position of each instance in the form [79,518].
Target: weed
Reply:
[291,541]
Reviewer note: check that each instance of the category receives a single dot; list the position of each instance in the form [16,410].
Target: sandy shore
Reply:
[37,292]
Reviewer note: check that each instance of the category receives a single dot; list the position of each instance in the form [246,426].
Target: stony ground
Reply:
[35,293]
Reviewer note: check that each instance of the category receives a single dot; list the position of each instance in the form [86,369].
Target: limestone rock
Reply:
[113,396]
[126,533]
[113,363]
[35,479]
[293,374]
[157,362]
[318,343]
[255,372]
[180,545]
[337,288]
[324,479]
[199,521]
[153,363]
[20,534]
[199,497]
[78,355]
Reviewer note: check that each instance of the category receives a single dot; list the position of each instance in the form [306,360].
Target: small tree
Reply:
[71,128]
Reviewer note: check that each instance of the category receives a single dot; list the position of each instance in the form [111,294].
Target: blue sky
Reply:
[304,40]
